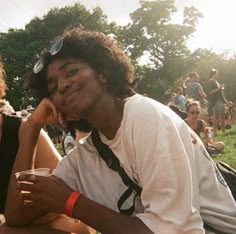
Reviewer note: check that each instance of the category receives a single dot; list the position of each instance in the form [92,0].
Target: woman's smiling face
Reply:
[74,86]
[194,112]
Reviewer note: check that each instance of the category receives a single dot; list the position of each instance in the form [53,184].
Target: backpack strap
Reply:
[114,164]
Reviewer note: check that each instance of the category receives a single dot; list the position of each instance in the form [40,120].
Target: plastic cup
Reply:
[38,171]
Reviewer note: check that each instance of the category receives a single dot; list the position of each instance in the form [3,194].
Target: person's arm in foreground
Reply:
[15,212]
[95,215]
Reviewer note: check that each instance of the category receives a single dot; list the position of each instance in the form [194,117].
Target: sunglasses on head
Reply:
[194,112]
[55,48]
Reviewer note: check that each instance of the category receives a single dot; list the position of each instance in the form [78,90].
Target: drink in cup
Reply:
[38,171]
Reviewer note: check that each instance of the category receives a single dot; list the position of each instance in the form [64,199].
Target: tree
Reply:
[153,32]
[21,48]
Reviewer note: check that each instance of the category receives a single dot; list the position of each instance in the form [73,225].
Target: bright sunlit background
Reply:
[215,31]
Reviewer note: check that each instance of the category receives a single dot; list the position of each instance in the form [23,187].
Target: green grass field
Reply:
[229,138]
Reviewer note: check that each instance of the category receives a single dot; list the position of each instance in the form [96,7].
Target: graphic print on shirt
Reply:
[217,172]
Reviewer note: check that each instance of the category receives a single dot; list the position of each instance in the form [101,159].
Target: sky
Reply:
[215,31]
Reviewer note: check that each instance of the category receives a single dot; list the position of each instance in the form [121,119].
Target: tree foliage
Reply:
[154,33]
[21,48]
[156,44]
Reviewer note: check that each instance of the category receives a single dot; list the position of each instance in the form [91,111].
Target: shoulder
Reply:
[144,107]
[198,85]
[145,116]
[211,82]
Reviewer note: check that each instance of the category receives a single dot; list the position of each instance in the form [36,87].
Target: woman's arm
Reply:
[46,153]
[219,87]
[31,140]
[93,214]
[15,212]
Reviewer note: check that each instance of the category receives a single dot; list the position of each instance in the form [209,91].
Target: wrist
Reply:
[70,203]
[34,123]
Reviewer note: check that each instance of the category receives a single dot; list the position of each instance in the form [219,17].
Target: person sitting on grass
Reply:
[200,127]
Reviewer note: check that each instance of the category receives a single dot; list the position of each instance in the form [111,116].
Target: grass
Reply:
[229,138]
[59,149]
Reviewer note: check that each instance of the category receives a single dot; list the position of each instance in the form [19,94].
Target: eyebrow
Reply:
[64,65]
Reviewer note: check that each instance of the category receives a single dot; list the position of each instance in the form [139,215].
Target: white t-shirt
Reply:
[167,159]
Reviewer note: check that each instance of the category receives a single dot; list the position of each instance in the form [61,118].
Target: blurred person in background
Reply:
[200,127]
[216,101]
[194,90]
[180,99]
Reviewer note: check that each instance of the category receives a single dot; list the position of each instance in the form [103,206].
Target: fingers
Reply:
[28,182]
[27,196]
[31,178]
[49,105]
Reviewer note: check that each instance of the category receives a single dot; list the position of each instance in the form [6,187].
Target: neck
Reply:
[107,116]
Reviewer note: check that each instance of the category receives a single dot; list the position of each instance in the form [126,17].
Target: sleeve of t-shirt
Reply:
[164,173]
[65,170]
[199,88]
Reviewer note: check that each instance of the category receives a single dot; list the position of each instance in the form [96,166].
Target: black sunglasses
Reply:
[55,48]
[194,112]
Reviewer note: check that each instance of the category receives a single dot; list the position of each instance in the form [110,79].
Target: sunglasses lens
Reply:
[56,46]
[39,65]
[53,51]
[195,112]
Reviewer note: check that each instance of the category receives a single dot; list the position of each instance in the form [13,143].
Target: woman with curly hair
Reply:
[12,129]
[167,182]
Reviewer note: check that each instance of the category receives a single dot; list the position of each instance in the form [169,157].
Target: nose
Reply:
[63,85]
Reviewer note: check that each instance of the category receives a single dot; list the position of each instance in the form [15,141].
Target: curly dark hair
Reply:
[101,52]
[3,85]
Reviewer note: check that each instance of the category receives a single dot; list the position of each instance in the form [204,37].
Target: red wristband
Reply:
[70,203]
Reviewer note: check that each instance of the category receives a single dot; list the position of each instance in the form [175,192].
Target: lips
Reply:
[69,96]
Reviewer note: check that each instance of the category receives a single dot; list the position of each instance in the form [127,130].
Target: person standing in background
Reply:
[179,99]
[216,101]
[194,90]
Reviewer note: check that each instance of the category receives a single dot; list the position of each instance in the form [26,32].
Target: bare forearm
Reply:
[214,91]
[106,220]
[15,212]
